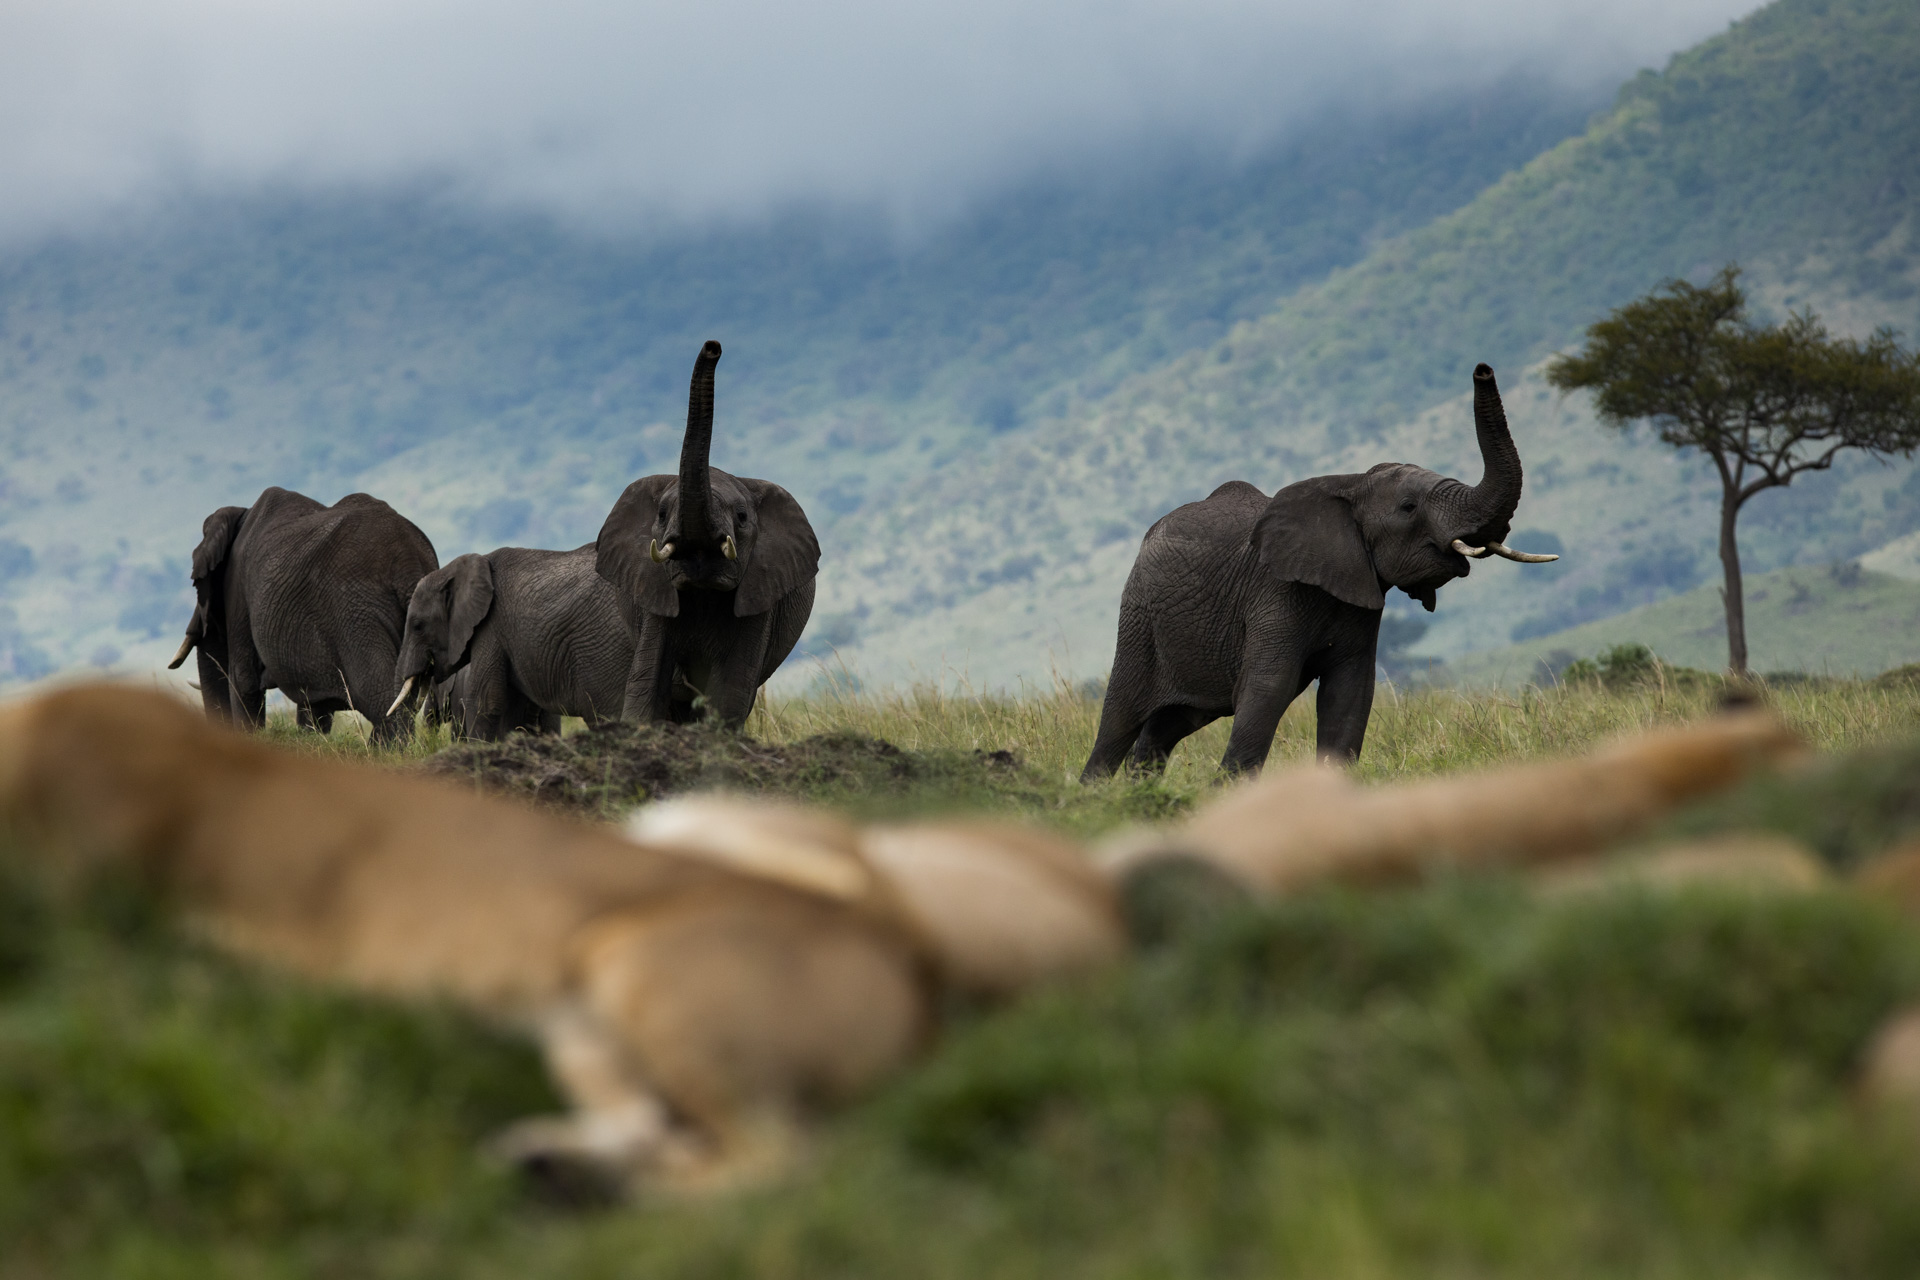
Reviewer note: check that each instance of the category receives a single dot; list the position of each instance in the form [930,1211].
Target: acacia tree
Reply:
[1764,402]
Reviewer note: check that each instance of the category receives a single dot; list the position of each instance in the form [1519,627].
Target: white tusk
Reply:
[1524,557]
[659,553]
[186,647]
[405,689]
[1472,553]
[194,685]
[728,550]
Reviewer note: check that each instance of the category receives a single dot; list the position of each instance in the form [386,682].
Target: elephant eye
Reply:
[1408,507]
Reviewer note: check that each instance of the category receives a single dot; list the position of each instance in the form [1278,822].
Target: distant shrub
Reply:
[1630,666]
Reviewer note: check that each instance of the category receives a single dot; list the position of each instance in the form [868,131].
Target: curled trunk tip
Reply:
[1497,495]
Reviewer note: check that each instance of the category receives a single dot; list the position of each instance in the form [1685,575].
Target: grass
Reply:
[1455,1080]
[1837,620]
[1413,733]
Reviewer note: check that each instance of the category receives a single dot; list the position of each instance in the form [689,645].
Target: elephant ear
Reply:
[1309,534]
[785,552]
[621,556]
[217,533]
[471,592]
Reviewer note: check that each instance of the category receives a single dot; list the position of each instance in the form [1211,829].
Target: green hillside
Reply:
[501,378]
[1789,143]
[1834,620]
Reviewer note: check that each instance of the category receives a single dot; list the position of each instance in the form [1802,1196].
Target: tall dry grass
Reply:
[1412,733]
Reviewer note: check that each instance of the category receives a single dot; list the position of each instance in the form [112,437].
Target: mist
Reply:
[625,115]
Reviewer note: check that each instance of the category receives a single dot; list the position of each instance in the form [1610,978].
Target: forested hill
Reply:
[982,419]
[1790,143]
[501,379]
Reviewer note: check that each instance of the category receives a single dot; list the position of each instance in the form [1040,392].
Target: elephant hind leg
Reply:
[1120,724]
[1125,709]
[1163,731]
[308,718]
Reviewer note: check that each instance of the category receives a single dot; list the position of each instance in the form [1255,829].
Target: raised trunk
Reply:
[1733,594]
[696,489]
[1492,502]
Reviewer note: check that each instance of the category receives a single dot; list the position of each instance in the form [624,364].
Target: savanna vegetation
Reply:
[1766,403]
[1458,1079]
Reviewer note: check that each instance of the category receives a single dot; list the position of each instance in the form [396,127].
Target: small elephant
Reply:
[1237,603]
[307,599]
[714,574]
[517,638]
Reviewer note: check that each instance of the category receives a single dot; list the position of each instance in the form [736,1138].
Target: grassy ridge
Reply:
[1839,621]
[1451,1080]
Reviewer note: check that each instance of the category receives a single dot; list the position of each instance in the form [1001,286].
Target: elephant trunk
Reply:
[415,660]
[696,488]
[1490,504]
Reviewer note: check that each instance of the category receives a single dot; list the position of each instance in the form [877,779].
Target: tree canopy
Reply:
[1764,402]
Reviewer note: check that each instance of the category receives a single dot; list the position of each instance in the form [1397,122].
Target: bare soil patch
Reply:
[604,771]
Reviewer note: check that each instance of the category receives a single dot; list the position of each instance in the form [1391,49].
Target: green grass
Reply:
[1413,733]
[1453,1080]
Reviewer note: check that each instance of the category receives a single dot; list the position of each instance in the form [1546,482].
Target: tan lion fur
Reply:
[688,1010]
[996,907]
[697,985]
[1313,824]
[1756,861]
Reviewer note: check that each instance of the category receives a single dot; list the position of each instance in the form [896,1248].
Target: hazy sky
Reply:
[627,111]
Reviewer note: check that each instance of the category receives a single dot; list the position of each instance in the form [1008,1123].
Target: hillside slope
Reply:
[1788,143]
[501,379]
[1828,620]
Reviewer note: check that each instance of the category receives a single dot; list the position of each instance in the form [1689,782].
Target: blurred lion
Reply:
[692,1010]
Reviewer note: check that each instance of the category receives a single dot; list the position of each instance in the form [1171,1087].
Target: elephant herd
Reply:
[700,584]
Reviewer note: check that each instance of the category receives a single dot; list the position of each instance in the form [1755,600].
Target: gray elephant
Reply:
[307,599]
[516,639]
[714,574]
[1238,602]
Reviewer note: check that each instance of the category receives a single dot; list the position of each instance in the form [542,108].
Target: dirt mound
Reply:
[604,771]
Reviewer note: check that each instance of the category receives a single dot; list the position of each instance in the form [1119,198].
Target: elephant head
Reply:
[1398,525]
[448,605]
[217,533]
[705,530]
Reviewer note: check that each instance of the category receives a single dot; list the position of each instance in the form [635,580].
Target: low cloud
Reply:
[621,113]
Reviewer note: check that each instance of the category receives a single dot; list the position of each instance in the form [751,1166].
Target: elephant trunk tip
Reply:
[1483,373]
[710,350]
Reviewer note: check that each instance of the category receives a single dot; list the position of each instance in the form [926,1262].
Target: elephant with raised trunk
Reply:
[1237,603]
[306,599]
[714,574]
[530,635]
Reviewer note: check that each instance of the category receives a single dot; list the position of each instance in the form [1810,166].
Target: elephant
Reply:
[714,574]
[308,599]
[517,638]
[1238,602]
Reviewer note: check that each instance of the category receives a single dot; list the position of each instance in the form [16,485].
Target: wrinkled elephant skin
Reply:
[516,639]
[1237,603]
[714,574]
[307,599]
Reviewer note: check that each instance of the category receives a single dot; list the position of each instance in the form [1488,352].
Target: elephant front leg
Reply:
[1343,706]
[735,679]
[649,689]
[247,689]
[1265,693]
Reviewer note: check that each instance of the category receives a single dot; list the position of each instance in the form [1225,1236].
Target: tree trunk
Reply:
[1732,594]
